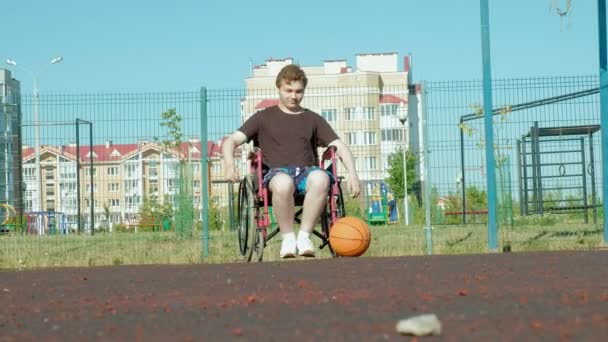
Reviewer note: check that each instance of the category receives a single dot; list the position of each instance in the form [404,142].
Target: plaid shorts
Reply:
[298,174]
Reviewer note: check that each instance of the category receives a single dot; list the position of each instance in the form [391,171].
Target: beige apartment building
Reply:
[123,175]
[362,103]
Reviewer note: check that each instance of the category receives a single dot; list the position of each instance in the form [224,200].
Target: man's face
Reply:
[291,94]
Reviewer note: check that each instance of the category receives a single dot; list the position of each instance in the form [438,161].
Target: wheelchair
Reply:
[253,218]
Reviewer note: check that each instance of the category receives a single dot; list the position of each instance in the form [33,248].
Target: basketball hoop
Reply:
[564,10]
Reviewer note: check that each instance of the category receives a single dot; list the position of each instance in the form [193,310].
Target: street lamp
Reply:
[402,115]
[36,128]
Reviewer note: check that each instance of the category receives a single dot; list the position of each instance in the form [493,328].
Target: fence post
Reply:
[204,173]
[601,23]
[78,176]
[489,133]
[426,165]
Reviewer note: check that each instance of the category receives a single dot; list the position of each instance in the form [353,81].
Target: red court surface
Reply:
[549,296]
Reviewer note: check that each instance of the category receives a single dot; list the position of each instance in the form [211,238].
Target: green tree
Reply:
[395,172]
[173,122]
[184,214]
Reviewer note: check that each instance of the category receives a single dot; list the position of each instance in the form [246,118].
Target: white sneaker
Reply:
[288,248]
[305,246]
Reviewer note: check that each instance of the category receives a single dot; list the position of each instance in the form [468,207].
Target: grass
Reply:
[24,252]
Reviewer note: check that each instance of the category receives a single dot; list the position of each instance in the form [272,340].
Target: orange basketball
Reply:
[349,236]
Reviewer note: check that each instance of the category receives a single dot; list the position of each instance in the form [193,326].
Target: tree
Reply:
[395,172]
[173,121]
[184,214]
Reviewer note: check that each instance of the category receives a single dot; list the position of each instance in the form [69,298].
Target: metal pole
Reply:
[204,173]
[462,173]
[78,176]
[489,133]
[584,169]
[601,20]
[425,172]
[406,212]
[38,206]
[592,174]
[92,204]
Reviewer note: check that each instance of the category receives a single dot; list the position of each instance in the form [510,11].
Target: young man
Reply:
[288,136]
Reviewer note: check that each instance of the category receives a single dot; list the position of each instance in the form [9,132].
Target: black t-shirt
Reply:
[288,139]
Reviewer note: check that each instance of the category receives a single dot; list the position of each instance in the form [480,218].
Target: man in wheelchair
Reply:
[289,135]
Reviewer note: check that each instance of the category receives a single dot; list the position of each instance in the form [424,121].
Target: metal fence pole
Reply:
[78,176]
[601,21]
[426,165]
[489,133]
[204,172]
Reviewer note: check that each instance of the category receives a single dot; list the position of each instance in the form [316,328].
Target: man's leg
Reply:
[317,188]
[282,188]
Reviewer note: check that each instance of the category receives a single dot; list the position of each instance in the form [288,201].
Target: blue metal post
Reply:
[426,154]
[489,133]
[204,173]
[601,23]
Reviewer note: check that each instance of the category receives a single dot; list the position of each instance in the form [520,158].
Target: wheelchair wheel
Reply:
[246,219]
[259,244]
[326,221]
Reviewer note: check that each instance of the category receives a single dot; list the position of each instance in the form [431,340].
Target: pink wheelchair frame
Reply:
[254,202]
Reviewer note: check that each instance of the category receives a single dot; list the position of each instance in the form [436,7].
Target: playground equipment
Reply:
[381,204]
[554,159]
[46,222]
[8,217]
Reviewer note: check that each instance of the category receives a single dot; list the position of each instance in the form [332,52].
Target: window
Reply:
[113,187]
[369,138]
[87,171]
[329,114]
[196,167]
[351,138]
[197,184]
[370,163]
[392,135]
[152,169]
[115,203]
[112,171]
[29,172]
[216,168]
[388,109]
[359,113]
[368,113]
[349,114]
[89,187]
[154,186]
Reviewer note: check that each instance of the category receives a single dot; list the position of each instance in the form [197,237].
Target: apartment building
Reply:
[362,104]
[123,175]
[10,123]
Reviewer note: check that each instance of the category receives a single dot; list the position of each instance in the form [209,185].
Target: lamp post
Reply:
[37,205]
[402,115]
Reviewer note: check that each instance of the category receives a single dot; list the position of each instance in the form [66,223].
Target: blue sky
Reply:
[132,46]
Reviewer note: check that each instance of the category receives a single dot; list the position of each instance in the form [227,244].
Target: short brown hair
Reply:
[290,73]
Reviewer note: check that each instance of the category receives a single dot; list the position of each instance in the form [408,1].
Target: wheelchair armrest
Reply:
[254,153]
[330,153]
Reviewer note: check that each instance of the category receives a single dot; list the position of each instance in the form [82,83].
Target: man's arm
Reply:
[347,159]
[228,146]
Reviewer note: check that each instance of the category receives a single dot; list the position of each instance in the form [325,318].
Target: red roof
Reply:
[104,154]
[267,103]
[391,99]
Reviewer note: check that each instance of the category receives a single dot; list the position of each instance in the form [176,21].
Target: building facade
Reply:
[363,105]
[10,130]
[124,175]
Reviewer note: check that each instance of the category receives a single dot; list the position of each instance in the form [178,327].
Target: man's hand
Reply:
[353,184]
[231,173]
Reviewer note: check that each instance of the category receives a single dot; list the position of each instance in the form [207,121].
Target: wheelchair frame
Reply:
[254,201]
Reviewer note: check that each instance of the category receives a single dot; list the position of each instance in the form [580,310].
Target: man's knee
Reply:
[317,180]
[281,185]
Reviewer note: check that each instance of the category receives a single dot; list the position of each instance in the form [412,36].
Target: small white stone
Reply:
[422,325]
